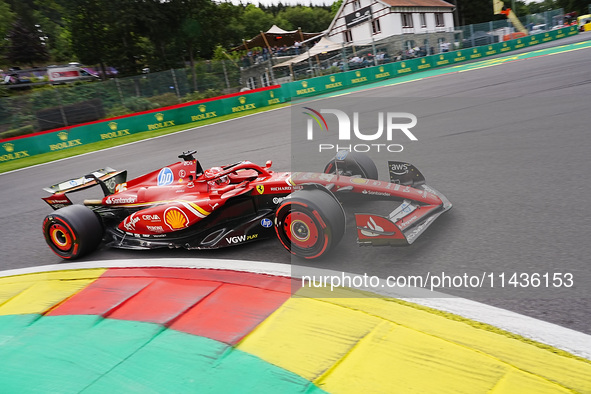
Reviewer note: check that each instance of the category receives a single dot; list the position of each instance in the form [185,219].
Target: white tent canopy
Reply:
[276,36]
[277,30]
[323,46]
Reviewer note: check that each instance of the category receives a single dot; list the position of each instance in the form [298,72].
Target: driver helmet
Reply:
[213,172]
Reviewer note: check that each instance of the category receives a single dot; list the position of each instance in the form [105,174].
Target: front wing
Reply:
[403,225]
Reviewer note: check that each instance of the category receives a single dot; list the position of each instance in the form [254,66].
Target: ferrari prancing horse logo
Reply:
[260,189]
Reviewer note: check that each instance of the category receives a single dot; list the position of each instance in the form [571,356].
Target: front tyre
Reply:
[310,223]
[73,231]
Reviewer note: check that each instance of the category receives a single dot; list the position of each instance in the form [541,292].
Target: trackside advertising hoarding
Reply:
[68,137]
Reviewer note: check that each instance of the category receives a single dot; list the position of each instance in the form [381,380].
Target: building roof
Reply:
[417,3]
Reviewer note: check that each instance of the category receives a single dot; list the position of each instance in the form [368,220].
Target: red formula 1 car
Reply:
[184,206]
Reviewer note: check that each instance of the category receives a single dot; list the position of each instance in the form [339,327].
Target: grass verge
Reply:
[97,146]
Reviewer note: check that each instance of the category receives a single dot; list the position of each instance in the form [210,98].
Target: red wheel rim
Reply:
[301,230]
[60,237]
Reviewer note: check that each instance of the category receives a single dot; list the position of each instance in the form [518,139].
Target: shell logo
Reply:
[113,125]
[175,218]
[359,181]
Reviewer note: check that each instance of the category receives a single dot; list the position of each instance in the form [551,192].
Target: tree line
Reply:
[131,35]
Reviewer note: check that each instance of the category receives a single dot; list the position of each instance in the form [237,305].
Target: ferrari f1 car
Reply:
[184,206]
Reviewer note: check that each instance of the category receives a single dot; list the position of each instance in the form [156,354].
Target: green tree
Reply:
[6,20]
[309,19]
[255,21]
[334,8]
[541,6]
[56,35]
[579,6]
[105,32]
[88,24]
[25,46]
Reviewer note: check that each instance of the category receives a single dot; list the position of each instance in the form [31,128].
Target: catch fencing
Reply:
[41,106]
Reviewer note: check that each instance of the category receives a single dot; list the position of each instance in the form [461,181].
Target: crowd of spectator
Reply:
[355,61]
[257,56]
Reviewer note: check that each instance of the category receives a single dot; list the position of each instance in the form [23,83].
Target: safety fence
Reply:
[16,148]
[44,106]
[361,54]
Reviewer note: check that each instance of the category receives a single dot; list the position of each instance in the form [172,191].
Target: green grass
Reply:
[97,146]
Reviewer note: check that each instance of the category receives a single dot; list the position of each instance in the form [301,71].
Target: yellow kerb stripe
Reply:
[36,293]
[360,343]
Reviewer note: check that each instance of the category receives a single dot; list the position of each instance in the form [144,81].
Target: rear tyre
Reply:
[310,223]
[354,164]
[73,231]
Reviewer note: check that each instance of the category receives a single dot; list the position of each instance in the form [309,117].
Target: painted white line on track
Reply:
[551,334]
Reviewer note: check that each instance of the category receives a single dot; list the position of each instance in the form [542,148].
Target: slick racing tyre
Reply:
[352,164]
[309,223]
[72,231]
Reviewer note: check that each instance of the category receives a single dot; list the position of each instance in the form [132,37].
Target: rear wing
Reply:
[107,178]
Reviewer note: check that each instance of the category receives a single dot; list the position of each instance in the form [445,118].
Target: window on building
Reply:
[347,36]
[407,19]
[251,83]
[439,21]
[375,26]
[409,44]
[356,4]
[265,79]
[428,50]
[423,19]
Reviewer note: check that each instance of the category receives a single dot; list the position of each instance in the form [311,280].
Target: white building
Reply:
[364,21]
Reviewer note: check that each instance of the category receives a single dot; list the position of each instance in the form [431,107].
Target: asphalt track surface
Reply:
[507,144]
